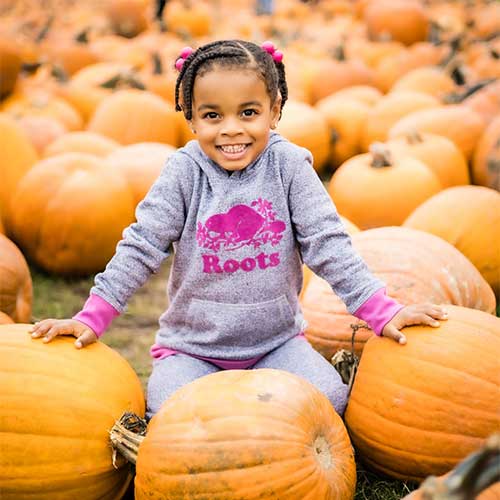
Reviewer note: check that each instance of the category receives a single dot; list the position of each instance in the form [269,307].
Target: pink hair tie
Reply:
[185,53]
[271,49]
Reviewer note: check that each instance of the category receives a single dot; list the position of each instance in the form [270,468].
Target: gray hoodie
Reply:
[239,241]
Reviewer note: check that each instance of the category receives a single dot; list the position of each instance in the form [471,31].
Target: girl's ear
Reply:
[276,111]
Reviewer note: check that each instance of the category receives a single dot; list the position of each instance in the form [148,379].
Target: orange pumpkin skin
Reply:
[417,267]
[63,450]
[372,196]
[459,123]
[16,289]
[141,164]
[428,80]
[491,493]
[402,20]
[486,161]
[389,109]
[307,127]
[257,434]
[17,157]
[64,220]
[439,153]
[81,142]
[4,319]
[419,409]
[130,116]
[468,217]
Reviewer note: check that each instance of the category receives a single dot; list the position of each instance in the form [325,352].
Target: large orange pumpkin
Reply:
[306,126]
[16,290]
[81,142]
[17,156]
[255,434]
[70,212]
[419,409]
[468,217]
[130,116]
[439,153]
[58,406]
[4,319]
[379,189]
[388,110]
[141,164]
[486,161]
[405,21]
[459,123]
[417,267]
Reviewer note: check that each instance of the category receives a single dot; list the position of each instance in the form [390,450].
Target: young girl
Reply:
[243,208]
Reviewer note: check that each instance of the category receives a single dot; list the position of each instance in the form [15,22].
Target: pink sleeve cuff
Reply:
[97,314]
[378,310]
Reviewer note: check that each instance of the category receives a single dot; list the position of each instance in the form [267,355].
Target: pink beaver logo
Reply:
[241,226]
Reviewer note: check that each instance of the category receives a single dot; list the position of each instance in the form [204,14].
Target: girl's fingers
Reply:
[41,327]
[56,330]
[86,338]
[393,333]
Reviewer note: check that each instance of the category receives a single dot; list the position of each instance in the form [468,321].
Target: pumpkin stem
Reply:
[157,64]
[456,98]
[473,475]
[127,435]
[381,155]
[414,137]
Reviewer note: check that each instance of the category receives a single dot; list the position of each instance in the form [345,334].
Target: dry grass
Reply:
[132,334]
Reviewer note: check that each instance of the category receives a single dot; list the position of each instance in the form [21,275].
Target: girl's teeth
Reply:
[233,149]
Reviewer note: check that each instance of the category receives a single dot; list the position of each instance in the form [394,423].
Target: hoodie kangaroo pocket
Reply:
[243,325]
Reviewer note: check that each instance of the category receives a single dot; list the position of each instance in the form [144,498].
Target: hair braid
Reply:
[233,53]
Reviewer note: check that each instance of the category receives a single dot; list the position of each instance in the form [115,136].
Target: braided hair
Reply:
[229,54]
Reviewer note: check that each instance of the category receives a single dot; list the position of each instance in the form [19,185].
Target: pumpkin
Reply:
[307,127]
[4,319]
[187,18]
[71,211]
[127,18]
[461,124]
[42,103]
[419,409]
[90,85]
[374,189]
[416,267]
[470,477]
[344,73]
[16,290]
[363,93]
[257,434]
[427,80]
[81,142]
[141,164]
[345,118]
[388,110]
[130,116]
[440,154]
[10,65]
[405,21]
[486,160]
[41,130]
[17,157]
[468,217]
[485,101]
[61,449]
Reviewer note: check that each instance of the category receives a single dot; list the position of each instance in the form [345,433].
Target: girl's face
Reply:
[232,116]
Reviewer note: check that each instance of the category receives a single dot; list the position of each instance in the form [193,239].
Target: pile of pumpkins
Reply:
[406,134]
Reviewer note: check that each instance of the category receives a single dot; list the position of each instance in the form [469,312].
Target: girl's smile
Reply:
[232,116]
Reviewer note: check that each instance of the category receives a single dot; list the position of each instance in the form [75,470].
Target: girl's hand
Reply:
[417,314]
[51,328]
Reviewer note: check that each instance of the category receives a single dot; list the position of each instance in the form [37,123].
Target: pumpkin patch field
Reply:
[399,103]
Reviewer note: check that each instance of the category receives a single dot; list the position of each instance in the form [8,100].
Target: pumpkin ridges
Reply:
[446,347]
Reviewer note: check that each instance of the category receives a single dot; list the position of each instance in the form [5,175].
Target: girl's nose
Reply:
[231,126]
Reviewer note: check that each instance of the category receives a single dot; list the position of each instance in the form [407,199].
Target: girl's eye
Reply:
[211,115]
[249,112]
